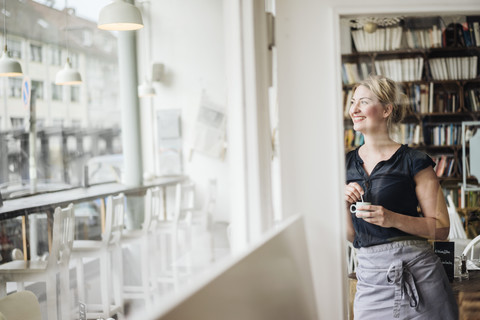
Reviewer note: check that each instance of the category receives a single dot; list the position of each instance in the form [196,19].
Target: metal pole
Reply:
[32,145]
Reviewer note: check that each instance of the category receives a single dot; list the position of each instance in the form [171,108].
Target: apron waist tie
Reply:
[400,276]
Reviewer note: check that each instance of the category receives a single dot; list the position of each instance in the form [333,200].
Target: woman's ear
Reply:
[387,110]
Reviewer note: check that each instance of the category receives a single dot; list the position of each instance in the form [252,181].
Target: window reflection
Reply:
[73,123]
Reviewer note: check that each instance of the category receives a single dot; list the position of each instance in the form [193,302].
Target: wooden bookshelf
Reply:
[441,78]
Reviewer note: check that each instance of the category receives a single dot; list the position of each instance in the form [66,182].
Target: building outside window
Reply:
[15,48]
[55,56]
[38,87]
[17,123]
[57,92]
[15,87]
[74,93]
[35,52]
[42,54]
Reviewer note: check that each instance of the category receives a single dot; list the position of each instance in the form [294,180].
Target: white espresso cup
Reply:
[356,207]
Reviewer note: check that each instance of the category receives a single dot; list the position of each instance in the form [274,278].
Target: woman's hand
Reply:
[353,192]
[377,215]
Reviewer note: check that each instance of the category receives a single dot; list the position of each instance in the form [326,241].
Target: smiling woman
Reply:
[389,233]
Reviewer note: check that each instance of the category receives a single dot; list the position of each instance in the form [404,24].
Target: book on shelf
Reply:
[454,68]
[445,165]
[347,102]
[473,23]
[383,39]
[472,99]
[445,134]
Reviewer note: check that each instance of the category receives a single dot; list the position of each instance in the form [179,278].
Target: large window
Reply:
[61,111]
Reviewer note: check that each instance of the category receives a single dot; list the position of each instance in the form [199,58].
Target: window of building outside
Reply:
[17,123]
[93,121]
[35,52]
[55,56]
[14,47]
[75,94]
[37,87]
[15,87]
[57,92]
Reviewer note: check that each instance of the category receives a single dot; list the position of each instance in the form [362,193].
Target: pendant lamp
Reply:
[120,16]
[146,89]
[67,76]
[8,67]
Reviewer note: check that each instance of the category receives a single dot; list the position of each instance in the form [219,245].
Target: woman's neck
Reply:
[378,142]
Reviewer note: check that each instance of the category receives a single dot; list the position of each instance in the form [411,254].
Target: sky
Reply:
[87,9]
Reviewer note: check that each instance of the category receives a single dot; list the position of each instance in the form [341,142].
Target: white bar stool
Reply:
[108,252]
[144,237]
[21,271]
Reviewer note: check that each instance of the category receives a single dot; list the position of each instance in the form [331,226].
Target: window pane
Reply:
[87,114]
[37,87]
[35,52]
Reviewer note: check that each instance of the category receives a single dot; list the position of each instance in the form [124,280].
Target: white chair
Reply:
[470,249]
[166,241]
[21,271]
[21,305]
[108,252]
[144,237]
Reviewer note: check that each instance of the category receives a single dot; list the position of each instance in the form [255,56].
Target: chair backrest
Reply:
[154,208]
[21,305]
[62,236]
[114,219]
[470,248]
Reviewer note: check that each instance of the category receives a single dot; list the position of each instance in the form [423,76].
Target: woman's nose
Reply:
[354,107]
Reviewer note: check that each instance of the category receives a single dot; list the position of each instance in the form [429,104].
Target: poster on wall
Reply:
[209,137]
[169,143]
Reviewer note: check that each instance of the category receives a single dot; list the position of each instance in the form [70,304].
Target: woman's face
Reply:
[366,111]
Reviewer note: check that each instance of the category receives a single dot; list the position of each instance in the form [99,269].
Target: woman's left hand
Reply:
[377,215]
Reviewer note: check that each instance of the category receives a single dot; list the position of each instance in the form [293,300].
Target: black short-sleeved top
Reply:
[390,185]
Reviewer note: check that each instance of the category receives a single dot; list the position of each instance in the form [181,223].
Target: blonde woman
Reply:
[399,275]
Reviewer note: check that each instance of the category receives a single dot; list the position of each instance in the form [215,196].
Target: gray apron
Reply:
[402,280]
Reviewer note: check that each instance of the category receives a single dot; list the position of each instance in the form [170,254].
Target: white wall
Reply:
[311,136]
[188,40]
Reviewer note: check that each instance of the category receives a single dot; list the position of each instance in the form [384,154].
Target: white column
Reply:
[131,134]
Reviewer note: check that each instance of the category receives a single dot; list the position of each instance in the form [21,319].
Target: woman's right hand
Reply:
[353,192]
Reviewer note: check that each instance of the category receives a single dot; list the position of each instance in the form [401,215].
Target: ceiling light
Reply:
[68,76]
[8,66]
[146,89]
[120,16]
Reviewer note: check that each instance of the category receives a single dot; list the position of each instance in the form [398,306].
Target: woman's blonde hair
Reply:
[387,92]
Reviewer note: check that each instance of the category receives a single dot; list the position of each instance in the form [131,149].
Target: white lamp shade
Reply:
[120,16]
[68,76]
[146,90]
[9,67]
